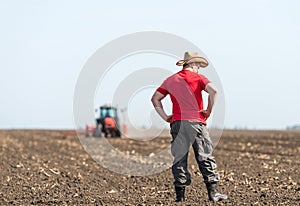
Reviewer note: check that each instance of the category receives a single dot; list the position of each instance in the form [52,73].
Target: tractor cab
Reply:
[106,111]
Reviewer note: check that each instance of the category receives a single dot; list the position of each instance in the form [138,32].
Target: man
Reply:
[188,124]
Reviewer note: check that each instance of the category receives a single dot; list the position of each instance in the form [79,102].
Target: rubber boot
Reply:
[179,194]
[213,193]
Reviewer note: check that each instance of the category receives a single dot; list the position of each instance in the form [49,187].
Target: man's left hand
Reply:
[169,118]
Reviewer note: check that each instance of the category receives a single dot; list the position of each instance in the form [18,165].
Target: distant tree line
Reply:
[294,127]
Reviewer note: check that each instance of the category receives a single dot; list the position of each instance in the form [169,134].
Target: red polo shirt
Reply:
[185,89]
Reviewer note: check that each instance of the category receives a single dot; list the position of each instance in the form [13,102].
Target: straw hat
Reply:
[190,57]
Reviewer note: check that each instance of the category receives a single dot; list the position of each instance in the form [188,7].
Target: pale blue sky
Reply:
[252,44]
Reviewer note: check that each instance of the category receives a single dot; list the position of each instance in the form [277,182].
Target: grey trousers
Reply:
[185,134]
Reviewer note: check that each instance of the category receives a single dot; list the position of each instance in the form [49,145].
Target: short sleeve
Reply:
[163,88]
[203,82]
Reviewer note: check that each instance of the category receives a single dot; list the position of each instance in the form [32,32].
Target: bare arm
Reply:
[212,97]
[156,101]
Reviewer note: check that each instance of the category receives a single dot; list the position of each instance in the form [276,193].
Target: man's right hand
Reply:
[205,113]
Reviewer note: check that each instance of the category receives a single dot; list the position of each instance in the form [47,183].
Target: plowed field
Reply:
[41,167]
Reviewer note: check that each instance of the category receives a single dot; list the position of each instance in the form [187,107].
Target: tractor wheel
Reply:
[118,133]
[113,133]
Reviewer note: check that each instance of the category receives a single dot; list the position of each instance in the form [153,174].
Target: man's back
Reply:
[185,89]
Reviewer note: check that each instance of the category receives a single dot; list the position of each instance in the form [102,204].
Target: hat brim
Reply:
[203,62]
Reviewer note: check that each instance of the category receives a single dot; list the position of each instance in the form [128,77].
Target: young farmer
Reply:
[188,123]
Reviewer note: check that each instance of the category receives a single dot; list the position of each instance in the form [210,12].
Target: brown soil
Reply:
[40,167]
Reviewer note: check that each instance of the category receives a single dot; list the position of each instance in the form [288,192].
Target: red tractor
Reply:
[107,123]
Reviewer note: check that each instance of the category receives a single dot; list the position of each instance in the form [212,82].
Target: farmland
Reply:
[42,167]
